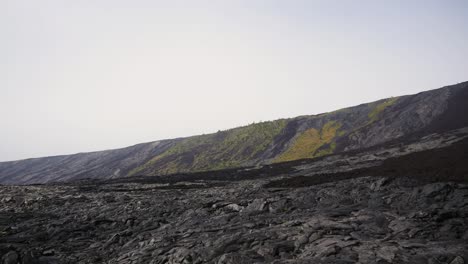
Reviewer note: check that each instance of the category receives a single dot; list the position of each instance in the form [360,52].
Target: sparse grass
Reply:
[238,146]
[307,144]
[374,114]
[303,147]
[327,151]
[224,149]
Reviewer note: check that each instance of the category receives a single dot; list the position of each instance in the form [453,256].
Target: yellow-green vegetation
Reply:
[244,145]
[374,114]
[224,149]
[326,151]
[307,144]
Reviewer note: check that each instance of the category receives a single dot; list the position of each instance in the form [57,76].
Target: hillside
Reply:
[386,204]
[384,182]
[348,129]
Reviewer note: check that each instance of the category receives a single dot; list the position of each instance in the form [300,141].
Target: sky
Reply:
[78,76]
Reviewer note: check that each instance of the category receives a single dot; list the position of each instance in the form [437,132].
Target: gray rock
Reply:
[256,206]
[152,223]
[377,185]
[10,258]
[457,260]
[400,225]
[387,253]
[234,207]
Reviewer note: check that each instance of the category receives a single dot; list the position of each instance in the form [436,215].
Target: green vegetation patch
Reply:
[375,113]
[225,149]
[326,151]
[307,144]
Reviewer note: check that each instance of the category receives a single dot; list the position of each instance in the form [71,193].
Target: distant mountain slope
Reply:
[351,128]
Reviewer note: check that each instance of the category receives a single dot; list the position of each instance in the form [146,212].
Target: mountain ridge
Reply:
[202,134]
[306,136]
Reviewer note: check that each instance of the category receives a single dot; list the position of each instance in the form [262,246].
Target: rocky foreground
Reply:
[366,220]
[392,204]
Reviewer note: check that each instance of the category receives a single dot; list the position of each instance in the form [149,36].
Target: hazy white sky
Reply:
[96,74]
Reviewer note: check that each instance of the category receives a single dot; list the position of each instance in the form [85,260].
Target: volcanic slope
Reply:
[393,203]
[284,140]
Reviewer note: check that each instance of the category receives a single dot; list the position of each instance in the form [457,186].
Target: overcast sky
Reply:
[79,76]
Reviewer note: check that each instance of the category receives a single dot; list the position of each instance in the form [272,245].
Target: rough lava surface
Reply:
[384,182]
[395,203]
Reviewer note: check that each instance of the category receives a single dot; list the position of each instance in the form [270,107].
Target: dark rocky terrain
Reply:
[385,182]
[354,128]
[400,202]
